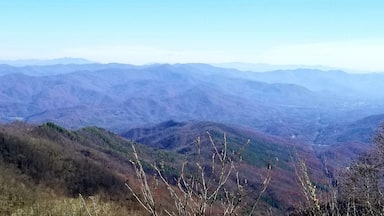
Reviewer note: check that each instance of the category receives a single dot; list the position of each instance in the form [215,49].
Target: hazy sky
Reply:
[341,33]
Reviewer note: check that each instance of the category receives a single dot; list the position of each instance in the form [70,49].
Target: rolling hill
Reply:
[94,161]
[58,164]
[263,149]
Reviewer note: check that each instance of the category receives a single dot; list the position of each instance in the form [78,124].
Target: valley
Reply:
[90,114]
[191,108]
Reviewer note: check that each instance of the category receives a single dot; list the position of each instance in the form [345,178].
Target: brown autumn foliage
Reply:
[358,189]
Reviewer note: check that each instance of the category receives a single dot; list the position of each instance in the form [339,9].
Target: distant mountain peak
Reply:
[262,67]
[41,62]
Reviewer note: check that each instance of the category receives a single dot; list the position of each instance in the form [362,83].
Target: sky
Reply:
[334,33]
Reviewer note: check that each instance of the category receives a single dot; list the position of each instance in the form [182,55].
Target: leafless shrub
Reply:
[362,184]
[215,187]
[359,189]
[308,189]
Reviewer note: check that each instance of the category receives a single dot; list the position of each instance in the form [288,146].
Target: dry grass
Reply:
[73,206]
[19,196]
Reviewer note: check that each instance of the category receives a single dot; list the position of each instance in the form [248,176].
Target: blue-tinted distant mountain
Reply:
[44,70]
[334,82]
[113,96]
[118,96]
[64,61]
[7,69]
[269,67]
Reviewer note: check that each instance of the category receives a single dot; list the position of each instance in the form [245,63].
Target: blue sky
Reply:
[339,33]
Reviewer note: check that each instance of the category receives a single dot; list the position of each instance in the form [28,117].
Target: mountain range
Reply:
[327,117]
[58,61]
[118,96]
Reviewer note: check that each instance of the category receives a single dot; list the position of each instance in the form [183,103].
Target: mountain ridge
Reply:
[92,159]
[118,96]
[56,61]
